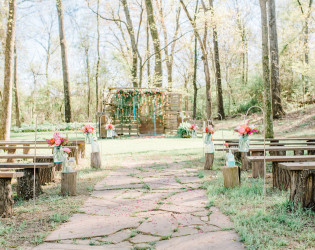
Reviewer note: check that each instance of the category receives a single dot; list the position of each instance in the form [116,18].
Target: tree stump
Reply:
[46,175]
[245,165]
[96,161]
[310,152]
[69,183]
[25,184]
[258,168]
[58,166]
[280,177]
[26,151]
[209,158]
[231,176]
[302,193]
[6,200]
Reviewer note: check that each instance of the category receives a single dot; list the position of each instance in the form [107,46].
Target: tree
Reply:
[203,45]
[66,81]
[195,68]
[15,87]
[156,44]
[98,56]
[265,66]
[217,64]
[274,62]
[8,73]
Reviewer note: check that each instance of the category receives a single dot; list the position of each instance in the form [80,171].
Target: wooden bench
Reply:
[307,139]
[6,200]
[281,177]
[25,183]
[302,185]
[270,143]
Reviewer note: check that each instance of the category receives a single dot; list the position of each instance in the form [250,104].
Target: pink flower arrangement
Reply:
[193,127]
[109,126]
[88,129]
[57,140]
[245,129]
[209,129]
[67,150]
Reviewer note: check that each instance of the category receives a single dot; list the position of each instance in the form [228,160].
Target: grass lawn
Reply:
[263,222]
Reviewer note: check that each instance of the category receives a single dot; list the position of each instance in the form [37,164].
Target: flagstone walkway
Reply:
[147,206]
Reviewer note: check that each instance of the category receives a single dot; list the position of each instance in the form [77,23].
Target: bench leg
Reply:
[6,200]
[258,170]
[244,161]
[25,184]
[46,175]
[26,151]
[302,193]
[280,177]
[82,149]
[11,151]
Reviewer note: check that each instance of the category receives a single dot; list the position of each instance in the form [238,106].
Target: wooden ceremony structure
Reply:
[140,111]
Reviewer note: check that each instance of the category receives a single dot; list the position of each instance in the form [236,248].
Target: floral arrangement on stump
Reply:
[193,130]
[245,130]
[66,152]
[184,130]
[109,128]
[58,141]
[88,131]
[209,145]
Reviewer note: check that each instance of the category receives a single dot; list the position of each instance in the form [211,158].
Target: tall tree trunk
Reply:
[265,66]
[195,68]
[16,94]
[98,56]
[274,62]
[156,43]
[66,81]
[88,82]
[217,64]
[205,61]
[148,55]
[134,68]
[8,73]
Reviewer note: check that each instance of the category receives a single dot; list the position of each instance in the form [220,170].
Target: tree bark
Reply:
[209,158]
[87,61]
[66,81]
[217,64]
[265,66]
[16,94]
[69,184]
[195,79]
[277,108]
[156,44]
[98,56]
[231,176]
[8,73]
[134,68]
[96,161]
[6,201]
[25,184]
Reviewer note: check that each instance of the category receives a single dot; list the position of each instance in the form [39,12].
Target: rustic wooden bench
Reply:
[6,200]
[25,183]
[281,177]
[310,139]
[302,185]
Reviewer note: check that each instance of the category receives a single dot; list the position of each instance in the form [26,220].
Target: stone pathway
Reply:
[147,206]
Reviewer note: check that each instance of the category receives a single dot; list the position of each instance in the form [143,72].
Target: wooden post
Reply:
[25,184]
[6,200]
[46,175]
[81,146]
[69,184]
[96,160]
[231,176]
[258,169]
[26,151]
[244,161]
[209,161]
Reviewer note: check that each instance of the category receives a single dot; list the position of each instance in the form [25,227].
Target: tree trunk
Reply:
[69,184]
[6,201]
[209,158]
[265,66]
[88,81]
[8,73]
[98,56]
[25,184]
[274,62]
[46,175]
[195,69]
[148,55]
[156,43]
[134,68]
[217,65]
[16,94]
[280,177]
[66,81]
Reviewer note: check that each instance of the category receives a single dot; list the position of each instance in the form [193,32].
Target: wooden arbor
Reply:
[140,111]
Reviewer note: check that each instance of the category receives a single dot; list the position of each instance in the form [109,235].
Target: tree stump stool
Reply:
[245,165]
[231,176]
[26,151]
[46,175]
[96,161]
[25,184]
[280,177]
[258,168]
[69,184]
[209,158]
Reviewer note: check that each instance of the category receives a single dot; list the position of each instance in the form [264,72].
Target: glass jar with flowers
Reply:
[88,131]
[193,130]
[245,130]
[58,141]
[109,130]
[209,145]
[66,152]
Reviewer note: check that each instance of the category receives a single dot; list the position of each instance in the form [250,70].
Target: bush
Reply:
[183,130]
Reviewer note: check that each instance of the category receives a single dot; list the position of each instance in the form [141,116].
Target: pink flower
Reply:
[241,130]
[67,150]
[57,141]
[56,135]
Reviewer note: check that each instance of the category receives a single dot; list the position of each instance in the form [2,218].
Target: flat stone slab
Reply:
[141,238]
[83,225]
[218,219]
[50,246]
[203,241]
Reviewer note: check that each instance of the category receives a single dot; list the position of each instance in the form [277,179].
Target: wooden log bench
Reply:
[6,201]
[281,177]
[302,185]
[25,184]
